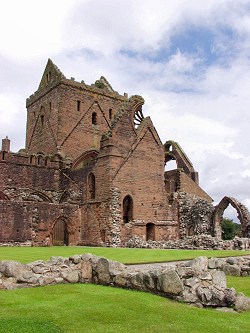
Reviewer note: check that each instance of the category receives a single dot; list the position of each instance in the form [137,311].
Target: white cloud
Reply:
[203,106]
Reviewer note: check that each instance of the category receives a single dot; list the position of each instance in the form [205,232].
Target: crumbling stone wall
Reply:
[195,215]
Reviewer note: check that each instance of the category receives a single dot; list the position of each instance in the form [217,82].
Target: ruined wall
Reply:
[195,215]
[22,221]
[186,184]
[61,111]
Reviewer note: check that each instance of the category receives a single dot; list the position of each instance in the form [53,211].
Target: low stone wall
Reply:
[198,242]
[27,244]
[201,281]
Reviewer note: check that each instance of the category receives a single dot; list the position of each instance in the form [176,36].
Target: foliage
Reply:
[125,255]
[230,229]
[91,308]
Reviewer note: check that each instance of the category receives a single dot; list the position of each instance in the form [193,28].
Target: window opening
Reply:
[110,113]
[127,209]
[94,118]
[78,105]
[92,186]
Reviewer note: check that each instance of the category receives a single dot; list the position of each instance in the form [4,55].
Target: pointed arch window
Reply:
[94,118]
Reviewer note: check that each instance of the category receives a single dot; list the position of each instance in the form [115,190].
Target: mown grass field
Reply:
[90,308]
[124,255]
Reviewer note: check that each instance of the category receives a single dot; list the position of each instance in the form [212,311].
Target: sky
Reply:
[189,59]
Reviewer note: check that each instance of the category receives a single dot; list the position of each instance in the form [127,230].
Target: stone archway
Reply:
[243,216]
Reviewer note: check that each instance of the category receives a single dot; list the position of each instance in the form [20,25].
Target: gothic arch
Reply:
[41,195]
[173,151]
[243,216]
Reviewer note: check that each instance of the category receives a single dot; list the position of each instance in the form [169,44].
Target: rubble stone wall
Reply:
[201,281]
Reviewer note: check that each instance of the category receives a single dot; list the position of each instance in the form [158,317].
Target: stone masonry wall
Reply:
[195,215]
[200,282]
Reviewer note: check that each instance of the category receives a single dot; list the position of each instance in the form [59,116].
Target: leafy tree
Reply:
[230,229]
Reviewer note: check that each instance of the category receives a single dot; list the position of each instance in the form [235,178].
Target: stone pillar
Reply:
[6,144]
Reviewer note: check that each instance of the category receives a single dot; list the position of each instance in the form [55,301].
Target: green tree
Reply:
[230,229]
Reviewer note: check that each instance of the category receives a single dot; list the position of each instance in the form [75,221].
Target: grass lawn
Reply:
[90,308]
[29,254]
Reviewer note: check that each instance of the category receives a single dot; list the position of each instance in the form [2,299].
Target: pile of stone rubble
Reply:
[201,242]
[201,281]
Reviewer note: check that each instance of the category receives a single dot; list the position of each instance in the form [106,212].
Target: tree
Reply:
[230,229]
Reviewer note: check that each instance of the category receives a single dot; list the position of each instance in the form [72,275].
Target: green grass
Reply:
[241,284]
[90,308]
[29,254]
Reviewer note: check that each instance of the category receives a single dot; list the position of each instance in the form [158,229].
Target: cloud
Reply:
[188,59]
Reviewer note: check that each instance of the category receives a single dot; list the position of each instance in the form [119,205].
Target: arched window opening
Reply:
[3,155]
[171,165]
[191,231]
[230,223]
[39,160]
[150,231]
[127,209]
[91,184]
[31,159]
[168,147]
[42,120]
[94,118]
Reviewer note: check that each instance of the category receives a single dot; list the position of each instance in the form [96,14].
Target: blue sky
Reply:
[189,59]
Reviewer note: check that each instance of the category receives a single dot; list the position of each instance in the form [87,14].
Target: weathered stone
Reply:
[86,270]
[185,271]
[27,277]
[102,271]
[219,278]
[231,270]
[204,294]
[121,279]
[115,267]
[230,296]
[76,259]
[242,302]
[200,264]
[191,282]
[71,277]
[189,297]
[205,276]
[13,268]
[231,261]
[43,281]
[170,283]
[40,269]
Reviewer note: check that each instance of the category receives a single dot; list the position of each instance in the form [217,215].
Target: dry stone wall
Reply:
[201,281]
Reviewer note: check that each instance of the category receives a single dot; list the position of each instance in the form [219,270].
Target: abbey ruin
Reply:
[92,173]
